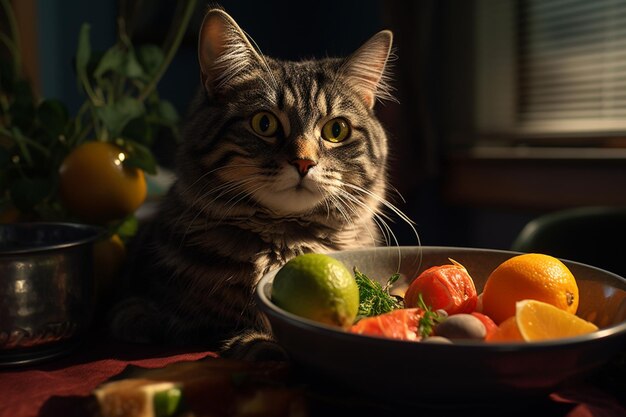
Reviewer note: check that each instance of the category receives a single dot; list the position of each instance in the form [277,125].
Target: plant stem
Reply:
[8,42]
[82,58]
[182,27]
[22,141]
[15,36]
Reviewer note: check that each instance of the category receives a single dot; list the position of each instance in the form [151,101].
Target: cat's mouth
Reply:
[299,188]
[295,198]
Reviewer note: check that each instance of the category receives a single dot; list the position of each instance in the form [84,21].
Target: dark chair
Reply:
[592,235]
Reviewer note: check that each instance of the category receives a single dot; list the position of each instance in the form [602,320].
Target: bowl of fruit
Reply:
[427,324]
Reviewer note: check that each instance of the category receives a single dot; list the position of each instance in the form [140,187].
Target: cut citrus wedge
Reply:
[537,321]
[507,331]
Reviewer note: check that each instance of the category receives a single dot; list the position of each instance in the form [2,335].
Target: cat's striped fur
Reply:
[240,205]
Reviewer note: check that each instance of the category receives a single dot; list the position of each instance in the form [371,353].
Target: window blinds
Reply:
[572,65]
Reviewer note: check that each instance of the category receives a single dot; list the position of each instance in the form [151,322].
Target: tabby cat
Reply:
[278,159]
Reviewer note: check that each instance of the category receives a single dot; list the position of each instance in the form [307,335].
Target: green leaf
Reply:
[132,68]
[112,60]
[140,156]
[26,193]
[121,61]
[53,117]
[116,116]
[83,52]
[429,320]
[138,130]
[150,57]
[127,228]
[167,113]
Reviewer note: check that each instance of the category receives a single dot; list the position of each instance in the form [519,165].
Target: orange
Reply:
[537,320]
[507,331]
[96,186]
[529,276]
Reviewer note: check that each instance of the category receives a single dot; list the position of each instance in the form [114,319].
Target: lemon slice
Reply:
[537,321]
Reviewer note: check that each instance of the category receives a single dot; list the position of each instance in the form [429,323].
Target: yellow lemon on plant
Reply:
[95,185]
[318,287]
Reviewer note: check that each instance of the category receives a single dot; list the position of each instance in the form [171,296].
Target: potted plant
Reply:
[90,166]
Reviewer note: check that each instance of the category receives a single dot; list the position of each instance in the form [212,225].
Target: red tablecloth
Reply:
[24,390]
[31,391]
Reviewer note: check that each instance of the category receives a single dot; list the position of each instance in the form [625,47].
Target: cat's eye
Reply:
[336,130]
[264,123]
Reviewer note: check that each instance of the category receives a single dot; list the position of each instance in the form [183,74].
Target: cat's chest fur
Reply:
[270,242]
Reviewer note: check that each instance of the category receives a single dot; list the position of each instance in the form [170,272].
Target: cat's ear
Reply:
[224,51]
[366,69]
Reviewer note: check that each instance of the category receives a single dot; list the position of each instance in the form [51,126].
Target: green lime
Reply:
[317,287]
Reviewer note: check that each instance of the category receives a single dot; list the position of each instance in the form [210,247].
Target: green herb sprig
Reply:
[429,320]
[375,299]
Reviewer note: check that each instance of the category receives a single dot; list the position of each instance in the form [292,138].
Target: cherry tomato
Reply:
[447,287]
[398,324]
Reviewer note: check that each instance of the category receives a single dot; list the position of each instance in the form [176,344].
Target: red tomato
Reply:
[490,325]
[398,324]
[447,287]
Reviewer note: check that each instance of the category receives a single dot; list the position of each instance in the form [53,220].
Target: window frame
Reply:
[491,160]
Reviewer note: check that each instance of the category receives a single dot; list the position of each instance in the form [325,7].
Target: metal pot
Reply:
[46,288]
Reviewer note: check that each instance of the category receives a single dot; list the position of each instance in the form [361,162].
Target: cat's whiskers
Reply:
[388,232]
[387,204]
[244,193]
[224,189]
[328,188]
[350,206]
[379,218]
[201,194]
[339,205]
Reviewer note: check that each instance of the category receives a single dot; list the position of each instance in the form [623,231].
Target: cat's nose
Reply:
[303,165]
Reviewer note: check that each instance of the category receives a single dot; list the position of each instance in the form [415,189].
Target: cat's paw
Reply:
[133,320]
[253,346]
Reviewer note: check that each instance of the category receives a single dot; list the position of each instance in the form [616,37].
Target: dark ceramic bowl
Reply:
[46,289]
[412,372]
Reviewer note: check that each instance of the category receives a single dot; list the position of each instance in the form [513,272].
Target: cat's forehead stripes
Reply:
[304,86]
